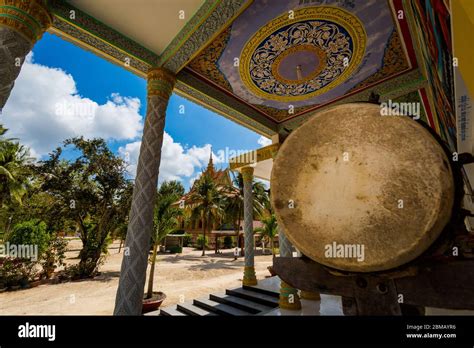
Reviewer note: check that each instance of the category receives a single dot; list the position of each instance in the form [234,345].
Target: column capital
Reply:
[160,82]
[30,18]
[247,173]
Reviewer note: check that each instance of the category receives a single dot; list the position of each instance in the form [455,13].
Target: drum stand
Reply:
[440,284]
[435,279]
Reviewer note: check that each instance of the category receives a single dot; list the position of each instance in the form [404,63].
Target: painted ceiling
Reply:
[286,58]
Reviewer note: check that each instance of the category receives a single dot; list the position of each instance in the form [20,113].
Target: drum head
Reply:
[361,192]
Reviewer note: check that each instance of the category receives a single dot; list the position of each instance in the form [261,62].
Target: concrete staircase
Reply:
[247,300]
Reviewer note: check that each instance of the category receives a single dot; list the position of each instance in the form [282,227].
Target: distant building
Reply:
[222,179]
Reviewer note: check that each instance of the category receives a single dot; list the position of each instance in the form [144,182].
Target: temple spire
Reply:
[210,166]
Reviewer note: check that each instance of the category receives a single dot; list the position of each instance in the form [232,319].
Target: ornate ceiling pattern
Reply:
[294,56]
[297,57]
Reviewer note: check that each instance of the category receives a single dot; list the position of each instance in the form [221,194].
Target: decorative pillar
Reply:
[22,24]
[308,295]
[137,245]
[249,269]
[289,298]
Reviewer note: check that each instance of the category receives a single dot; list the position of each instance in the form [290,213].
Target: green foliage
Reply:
[172,188]
[234,201]
[33,232]
[228,242]
[14,170]
[54,255]
[201,240]
[175,249]
[16,272]
[269,229]
[187,239]
[207,204]
[165,220]
[91,192]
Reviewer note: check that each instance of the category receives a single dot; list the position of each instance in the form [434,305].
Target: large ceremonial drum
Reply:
[361,192]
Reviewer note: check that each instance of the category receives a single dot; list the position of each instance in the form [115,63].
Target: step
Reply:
[254,296]
[262,291]
[189,308]
[154,313]
[171,311]
[240,303]
[219,308]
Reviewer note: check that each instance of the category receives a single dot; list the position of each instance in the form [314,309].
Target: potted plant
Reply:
[165,222]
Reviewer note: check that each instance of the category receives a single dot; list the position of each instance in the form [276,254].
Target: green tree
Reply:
[234,202]
[269,230]
[14,175]
[207,204]
[165,220]
[90,191]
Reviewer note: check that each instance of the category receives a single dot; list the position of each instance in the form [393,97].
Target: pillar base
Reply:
[308,295]
[289,298]
[249,276]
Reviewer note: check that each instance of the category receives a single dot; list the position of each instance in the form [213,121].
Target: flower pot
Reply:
[153,303]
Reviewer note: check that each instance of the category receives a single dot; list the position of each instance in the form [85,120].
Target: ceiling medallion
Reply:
[292,60]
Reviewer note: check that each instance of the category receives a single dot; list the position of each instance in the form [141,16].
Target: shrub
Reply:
[228,242]
[201,242]
[175,249]
[54,256]
[15,271]
[32,232]
[187,239]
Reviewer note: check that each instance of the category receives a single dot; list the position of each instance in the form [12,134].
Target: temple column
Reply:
[22,24]
[308,295]
[249,269]
[289,298]
[137,244]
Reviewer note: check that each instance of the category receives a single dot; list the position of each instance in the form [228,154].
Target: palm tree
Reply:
[165,222]
[207,204]
[269,230]
[14,160]
[234,202]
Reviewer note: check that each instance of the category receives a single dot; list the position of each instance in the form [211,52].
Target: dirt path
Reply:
[180,276]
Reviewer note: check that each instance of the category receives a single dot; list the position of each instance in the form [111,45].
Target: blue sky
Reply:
[76,74]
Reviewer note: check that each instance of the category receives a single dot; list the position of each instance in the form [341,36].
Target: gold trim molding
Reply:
[160,82]
[30,18]
[243,160]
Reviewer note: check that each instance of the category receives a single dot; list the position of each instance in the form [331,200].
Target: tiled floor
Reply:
[329,305]
[332,305]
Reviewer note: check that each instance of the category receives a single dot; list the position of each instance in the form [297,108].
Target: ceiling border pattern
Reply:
[83,39]
[206,24]
[214,99]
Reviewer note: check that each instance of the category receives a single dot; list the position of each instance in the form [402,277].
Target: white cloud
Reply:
[263,141]
[45,108]
[176,161]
